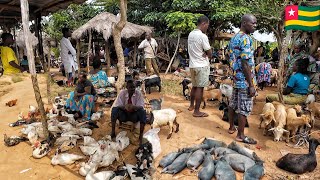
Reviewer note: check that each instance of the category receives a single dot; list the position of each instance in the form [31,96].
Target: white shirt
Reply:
[198,43]
[68,60]
[148,52]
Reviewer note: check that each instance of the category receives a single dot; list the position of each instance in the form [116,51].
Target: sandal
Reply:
[231,131]
[201,115]
[247,140]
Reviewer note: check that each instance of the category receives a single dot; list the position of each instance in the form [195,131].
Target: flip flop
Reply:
[247,140]
[201,115]
[231,131]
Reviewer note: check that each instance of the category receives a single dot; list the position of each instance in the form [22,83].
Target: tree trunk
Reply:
[49,76]
[135,53]
[174,55]
[315,42]
[32,69]
[89,51]
[116,33]
[78,54]
[283,55]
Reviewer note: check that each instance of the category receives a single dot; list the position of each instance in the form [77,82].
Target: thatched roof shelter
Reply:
[20,40]
[105,22]
[10,11]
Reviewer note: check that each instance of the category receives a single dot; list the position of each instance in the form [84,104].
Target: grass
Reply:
[57,90]
[171,87]
[16,79]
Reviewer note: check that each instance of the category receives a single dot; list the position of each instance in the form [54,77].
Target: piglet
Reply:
[212,143]
[195,159]
[207,171]
[241,150]
[239,162]
[256,171]
[221,151]
[177,165]
[223,170]
[168,159]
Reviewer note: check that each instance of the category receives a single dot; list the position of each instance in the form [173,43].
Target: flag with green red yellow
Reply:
[302,18]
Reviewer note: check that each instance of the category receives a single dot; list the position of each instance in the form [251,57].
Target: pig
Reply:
[223,170]
[195,159]
[177,165]
[207,171]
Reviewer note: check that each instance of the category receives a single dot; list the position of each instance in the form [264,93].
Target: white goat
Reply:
[267,116]
[281,120]
[164,117]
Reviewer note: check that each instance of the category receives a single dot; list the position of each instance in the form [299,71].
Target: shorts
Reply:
[240,102]
[200,76]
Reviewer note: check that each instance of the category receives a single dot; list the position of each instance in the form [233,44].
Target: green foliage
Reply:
[181,21]
[73,17]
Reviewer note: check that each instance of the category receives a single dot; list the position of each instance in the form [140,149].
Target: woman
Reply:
[298,84]
[82,99]
[263,74]
[98,77]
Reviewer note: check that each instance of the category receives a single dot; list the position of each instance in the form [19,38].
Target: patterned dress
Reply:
[85,104]
[264,72]
[99,81]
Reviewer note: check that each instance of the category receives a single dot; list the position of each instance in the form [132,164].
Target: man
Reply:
[199,50]
[68,54]
[241,60]
[7,55]
[149,45]
[129,106]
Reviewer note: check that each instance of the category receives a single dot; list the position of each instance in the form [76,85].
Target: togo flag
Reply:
[302,18]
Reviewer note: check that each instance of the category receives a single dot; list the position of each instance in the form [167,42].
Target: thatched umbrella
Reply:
[104,23]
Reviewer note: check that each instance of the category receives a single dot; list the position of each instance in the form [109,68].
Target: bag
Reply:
[153,138]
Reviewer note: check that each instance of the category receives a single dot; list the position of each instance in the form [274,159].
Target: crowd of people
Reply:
[251,70]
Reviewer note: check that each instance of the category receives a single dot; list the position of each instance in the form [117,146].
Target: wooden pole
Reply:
[49,75]
[135,53]
[40,44]
[78,54]
[32,67]
[89,51]
[15,44]
[175,52]
[107,54]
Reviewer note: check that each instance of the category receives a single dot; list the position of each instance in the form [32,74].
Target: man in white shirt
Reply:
[149,45]
[68,55]
[199,50]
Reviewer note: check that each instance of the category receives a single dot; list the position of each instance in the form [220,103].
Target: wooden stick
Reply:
[89,51]
[32,67]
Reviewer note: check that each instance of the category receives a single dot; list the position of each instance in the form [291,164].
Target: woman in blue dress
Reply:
[98,77]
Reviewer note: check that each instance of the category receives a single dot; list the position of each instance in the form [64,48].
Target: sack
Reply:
[153,138]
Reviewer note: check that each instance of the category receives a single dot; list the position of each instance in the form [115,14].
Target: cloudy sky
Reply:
[260,37]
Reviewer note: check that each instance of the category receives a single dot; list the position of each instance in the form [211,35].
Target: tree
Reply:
[180,22]
[73,17]
[116,33]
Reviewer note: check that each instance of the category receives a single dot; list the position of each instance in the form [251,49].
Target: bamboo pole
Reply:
[78,54]
[89,51]
[175,52]
[32,67]
[49,76]
[135,53]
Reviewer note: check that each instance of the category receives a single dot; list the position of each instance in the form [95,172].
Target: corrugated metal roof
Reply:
[10,11]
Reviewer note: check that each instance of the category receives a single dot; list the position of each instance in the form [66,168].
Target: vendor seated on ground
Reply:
[24,63]
[7,55]
[81,100]
[129,106]
[298,84]
[98,77]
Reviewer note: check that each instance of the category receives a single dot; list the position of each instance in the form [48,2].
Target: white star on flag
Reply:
[291,12]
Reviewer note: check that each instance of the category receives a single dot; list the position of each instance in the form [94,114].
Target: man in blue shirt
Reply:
[241,60]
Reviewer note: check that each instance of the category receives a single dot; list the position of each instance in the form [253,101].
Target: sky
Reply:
[260,37]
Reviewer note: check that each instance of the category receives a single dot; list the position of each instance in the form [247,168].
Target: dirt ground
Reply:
[192,130]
